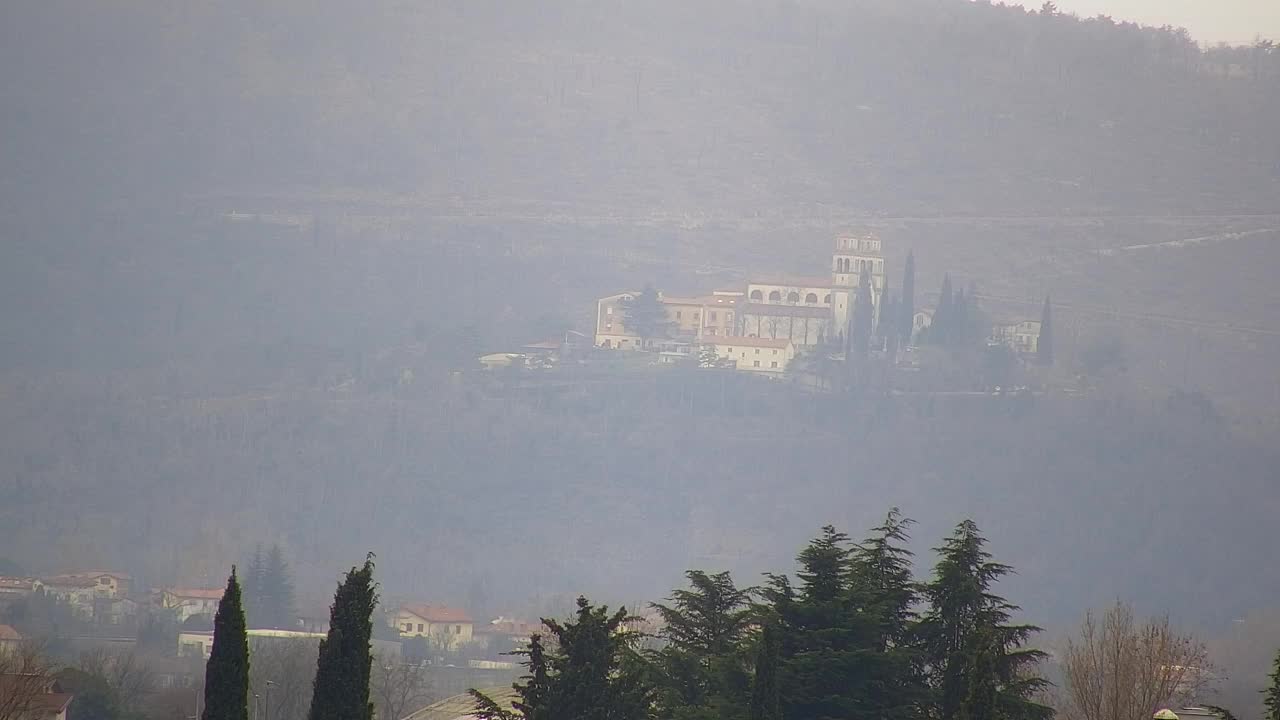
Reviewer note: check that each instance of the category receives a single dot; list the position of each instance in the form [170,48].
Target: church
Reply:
[807,312]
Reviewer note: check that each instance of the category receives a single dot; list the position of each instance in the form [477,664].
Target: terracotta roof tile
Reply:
[437,613]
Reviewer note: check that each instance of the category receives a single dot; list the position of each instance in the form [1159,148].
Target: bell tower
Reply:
[853,254]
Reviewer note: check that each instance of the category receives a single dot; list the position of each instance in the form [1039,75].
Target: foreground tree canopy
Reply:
[843,638]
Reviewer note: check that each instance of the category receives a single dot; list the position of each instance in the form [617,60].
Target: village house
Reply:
[10,640]
[450,627]
[1022,337]
[807,312]
[38,696]
[17,589]
[189,602]
[199,643]
[506,634]
[762,355]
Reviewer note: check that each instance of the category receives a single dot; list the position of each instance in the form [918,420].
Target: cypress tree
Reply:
[1271,694]
[341,688]
[863,316]
[226,676]
[907,311]
[765,700]
[1044,343]
[940,328]
[885,322]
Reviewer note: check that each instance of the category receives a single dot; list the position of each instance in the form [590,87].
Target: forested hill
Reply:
[737,107]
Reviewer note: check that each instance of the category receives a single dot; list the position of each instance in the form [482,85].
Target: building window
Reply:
[793,297]
[775,352]
[695,316]
[457,629]
[757,351]
[608,310]
[408,627]
[728,317]
[757,363]
[756,295]
[774,364]
[775,296]
[711,316]
[677,314]
[827,300]
[811,299]
[419,627]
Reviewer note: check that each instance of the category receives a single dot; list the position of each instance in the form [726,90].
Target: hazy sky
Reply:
[1209,21]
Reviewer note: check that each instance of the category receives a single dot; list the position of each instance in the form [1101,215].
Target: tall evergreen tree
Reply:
[886,323]
[226,676]
[589,675]
[254,607]
[981,676]
[702,669]
[1044,343]
[824,638]
[863,316]
[277,592]
[765,699]
[341,687]
[940,328]
[907,308]
[1271,694]
[646,316]
[962,612]
[886,596]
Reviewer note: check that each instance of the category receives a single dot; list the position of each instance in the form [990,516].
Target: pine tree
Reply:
[962,611]
[1271,694]
[277,592]
[226,683]
[765,699]
[702,669]
[646,316]
[907,308]
[341,687]
[886,595]
[824,638]
[588,676]
[981,676]
[253,597]
[1044,343]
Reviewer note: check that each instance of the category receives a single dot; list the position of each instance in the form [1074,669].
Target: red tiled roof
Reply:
[196,593]
[8,633]
[752,342]
[17,583]
[80,581]
[51,703]
[437,613]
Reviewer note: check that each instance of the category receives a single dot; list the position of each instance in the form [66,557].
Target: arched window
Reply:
[844,265]
[757,295]
[811,299]
[793,297]
[827,300]
[775,296]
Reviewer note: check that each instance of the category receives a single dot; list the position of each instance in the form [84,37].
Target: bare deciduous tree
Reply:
[124,673]
[25,674]
[1118,668]
[280,675]
[398,687]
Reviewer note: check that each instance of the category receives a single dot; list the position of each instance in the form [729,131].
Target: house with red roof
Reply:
[450,627]
[188,602]
[34,696]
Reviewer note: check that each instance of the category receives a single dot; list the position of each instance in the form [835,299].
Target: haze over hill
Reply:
[415,184]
